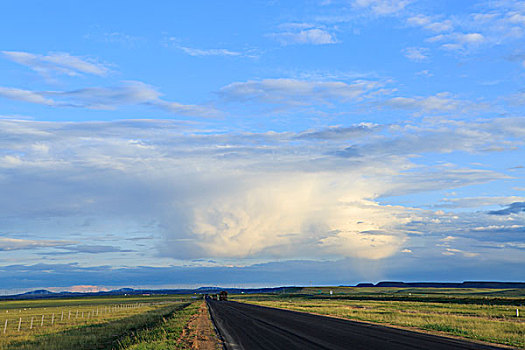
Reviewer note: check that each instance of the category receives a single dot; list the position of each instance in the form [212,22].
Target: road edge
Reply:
[225,339]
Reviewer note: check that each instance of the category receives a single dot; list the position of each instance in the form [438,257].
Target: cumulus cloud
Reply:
[57,63]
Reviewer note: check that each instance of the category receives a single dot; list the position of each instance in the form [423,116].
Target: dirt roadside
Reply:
[200,333]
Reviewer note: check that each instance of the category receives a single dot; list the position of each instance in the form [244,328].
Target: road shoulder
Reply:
[201,332]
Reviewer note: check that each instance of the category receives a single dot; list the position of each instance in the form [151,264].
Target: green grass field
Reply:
[90,323]
[480,314]
[157,322]
[168,334]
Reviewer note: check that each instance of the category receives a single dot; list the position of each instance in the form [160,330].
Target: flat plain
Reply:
[160,322]
[132,322]
[487,315]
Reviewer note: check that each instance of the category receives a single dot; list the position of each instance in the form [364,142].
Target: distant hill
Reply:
[38,292]
[466,284]
[42,293]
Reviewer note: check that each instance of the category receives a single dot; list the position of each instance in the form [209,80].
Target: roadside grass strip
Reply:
[84,328]
[490,323]
[166,335]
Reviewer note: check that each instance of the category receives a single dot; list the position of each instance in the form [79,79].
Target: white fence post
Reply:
[5,327]
[19,324]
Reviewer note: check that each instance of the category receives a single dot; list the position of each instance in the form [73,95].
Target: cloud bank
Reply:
[311,194]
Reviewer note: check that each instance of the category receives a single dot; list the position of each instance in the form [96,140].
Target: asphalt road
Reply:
[251,327]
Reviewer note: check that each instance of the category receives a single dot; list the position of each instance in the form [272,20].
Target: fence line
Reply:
[27,321]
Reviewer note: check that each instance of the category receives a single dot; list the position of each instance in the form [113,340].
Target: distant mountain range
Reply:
[42,293]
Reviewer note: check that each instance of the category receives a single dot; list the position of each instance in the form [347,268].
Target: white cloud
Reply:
[458,41]
[25,96]
[314,36]
[301,94]
[267,195]
[8,244]
[417,54]
[174,42]
[497,22]
[517,99]
[437,103]
[430,24]
[453,251]
[209,52]
[57,63]
[298,92]
[189,110]
[477,202]
[470,38]
[109,98]
[383,7]
[518,18]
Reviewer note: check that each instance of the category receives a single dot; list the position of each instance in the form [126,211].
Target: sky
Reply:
[260,143]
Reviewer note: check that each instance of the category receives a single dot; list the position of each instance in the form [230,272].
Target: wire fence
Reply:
[42,319]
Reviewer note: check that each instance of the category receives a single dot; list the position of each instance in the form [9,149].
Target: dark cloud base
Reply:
[514,208]
[297,272]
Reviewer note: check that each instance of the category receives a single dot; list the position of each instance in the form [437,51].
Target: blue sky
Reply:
[260,143]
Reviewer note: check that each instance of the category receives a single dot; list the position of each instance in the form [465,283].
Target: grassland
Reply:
[479,314]
[90,323]
[168,334]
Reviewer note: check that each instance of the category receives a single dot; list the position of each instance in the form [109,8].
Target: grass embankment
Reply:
[91,323]
[166,335]
[479,321]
